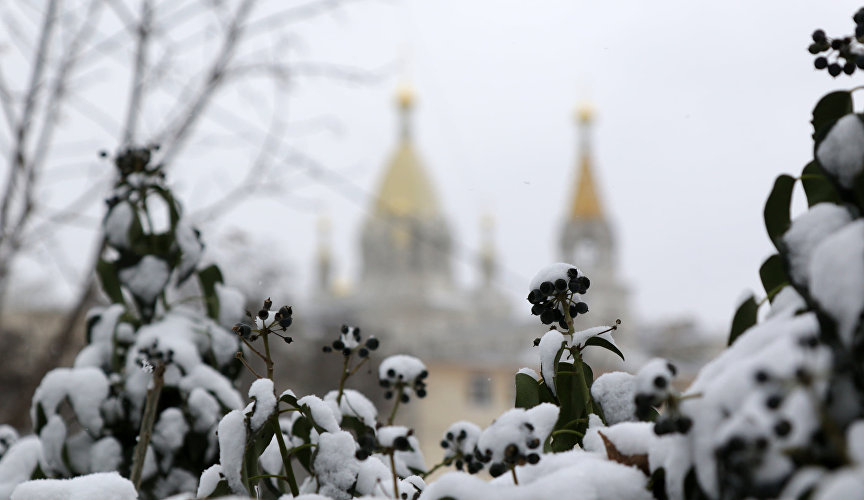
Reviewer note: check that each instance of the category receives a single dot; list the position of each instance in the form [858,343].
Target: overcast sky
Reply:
[699,106]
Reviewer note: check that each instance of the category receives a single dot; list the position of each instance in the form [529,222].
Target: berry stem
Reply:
[267,360]
[343,378]
[150,406]
[577,361]
[286,458]
[515,480]
[393,470]
[239,355]
[398,395]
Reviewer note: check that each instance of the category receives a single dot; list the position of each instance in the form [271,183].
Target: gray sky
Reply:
[699,106]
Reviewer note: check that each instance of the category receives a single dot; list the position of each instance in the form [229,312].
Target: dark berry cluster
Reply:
[134,160]
[551,297]
[279,321]
[399,373]
[513,455]
[672,424]
[349,341]
[459,444]
[153,355]
[653,389]
[841,55]
[391,439]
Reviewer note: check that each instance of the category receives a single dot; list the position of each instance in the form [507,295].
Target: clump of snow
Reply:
[231,305]
[844,483]
[18,464]
[461,438]
[654,379]
[327,416]
[190,246]
[232,443]
[146,279]
[526,430]
[117,223]
[53,437]
[8,437]
[355,404]
[265,402]
[205,377]
[807,232]
[209,481]
[841,153]
[102,485]
[603,332]
[401,368]
[615,392]
[551,273]
[106,455]
[836,277]
[573,474]
[86,388]
[530,372]
[168,433]
[550,344]
[350,336]
[855,442]
[335,464]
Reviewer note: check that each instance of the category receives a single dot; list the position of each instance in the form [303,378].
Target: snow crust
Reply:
[616,393]
[552,272]
[103,485]
[841,153]
[265,402]
[335,464]
[807,232]
[117,224]
[326,416]
[355,404]
[232,443]
[404,368]
[518,427]
[86,388]
[147,278]
[837,274]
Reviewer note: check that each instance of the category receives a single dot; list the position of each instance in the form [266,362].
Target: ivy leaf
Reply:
[208,277]
[571,402]
[107,272]
[745,317]
[605,344]
[773,276]
[527,391]
[828,110]
[817,187]
[777,209]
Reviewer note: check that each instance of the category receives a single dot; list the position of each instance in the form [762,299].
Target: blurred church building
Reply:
[468,337]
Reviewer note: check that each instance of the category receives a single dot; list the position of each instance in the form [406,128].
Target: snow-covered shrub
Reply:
[154,375]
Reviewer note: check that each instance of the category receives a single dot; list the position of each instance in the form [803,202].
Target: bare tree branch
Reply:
[137,93]
[174,137]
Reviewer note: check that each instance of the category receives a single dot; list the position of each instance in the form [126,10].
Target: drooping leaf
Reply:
[107,272]
[828,110]
[777,209]
[527,391]
[41,419]
[817,186]
[773,276]
[605,344]
[745,317]
[208,277]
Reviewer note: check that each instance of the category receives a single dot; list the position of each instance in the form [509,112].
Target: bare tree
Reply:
[66,47]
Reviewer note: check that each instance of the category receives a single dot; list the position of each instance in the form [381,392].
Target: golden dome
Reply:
[406,189]
[405,96]
[584,112]
[586,202]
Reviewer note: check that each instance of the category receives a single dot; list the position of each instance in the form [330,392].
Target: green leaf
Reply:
[777,209]
[527,391]
[208,277]
[222,490]
[41,419]
[817,186]
[290,399]
[546,395]
[605,344]
[107,272]
[773,276]
[745,317]
[572,403]
[692,489]
[828,110]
